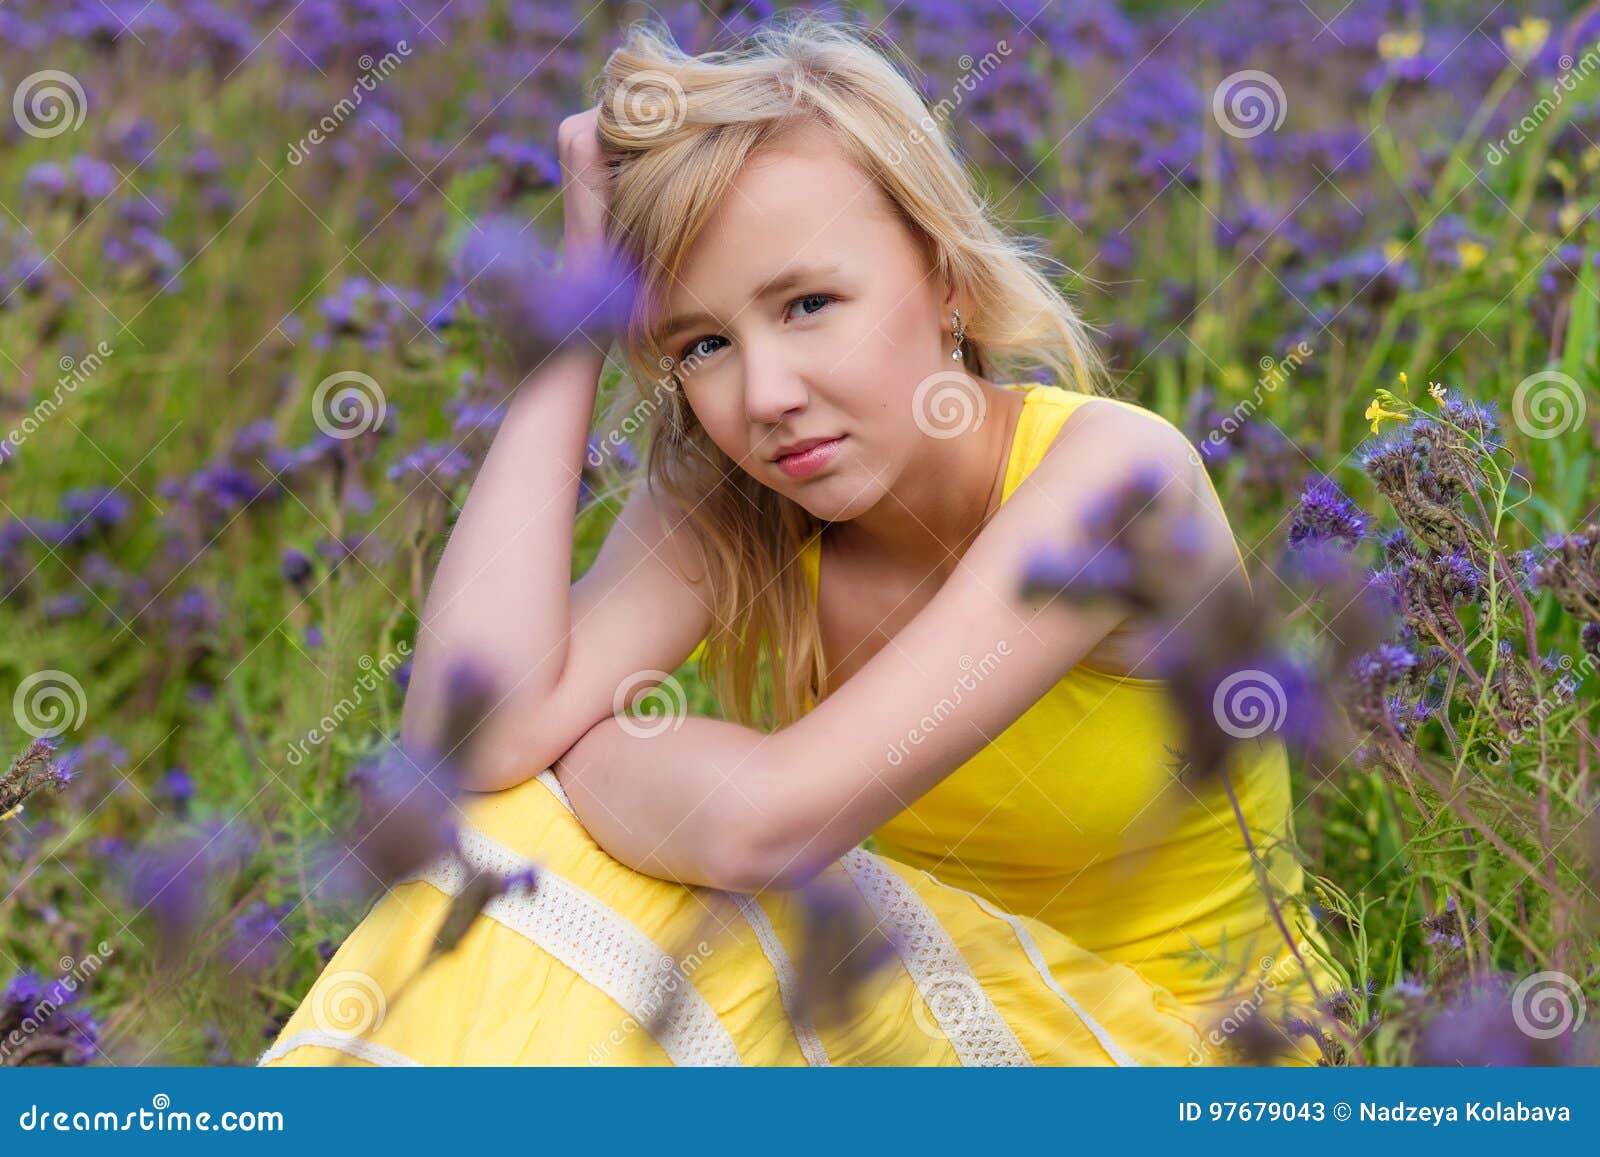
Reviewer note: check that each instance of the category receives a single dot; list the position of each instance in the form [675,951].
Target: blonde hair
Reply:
[676,130]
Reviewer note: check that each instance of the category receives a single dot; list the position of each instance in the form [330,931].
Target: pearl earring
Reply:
[960,334]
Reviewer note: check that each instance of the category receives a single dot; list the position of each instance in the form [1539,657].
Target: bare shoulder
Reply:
[1105,441]
[650,522]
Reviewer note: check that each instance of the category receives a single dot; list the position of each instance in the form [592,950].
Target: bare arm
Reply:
[717,804]
[503,596]
[500,593]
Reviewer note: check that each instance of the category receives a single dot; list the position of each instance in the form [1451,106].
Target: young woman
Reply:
[843,478]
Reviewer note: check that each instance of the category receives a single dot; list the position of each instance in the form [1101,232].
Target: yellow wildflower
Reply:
[14,811]
[1436,389]
[1399,45]
[1470,254]
[1523,41]
[1569,217]
[1392,250]
[1376,413]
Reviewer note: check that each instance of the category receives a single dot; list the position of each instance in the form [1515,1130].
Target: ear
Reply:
[950,301]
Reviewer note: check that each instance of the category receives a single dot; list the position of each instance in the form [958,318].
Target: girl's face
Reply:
[807,313]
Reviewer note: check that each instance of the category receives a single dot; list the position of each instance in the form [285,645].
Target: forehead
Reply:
[799,201]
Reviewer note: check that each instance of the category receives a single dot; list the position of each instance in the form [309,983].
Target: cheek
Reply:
[908,324]
[722,419]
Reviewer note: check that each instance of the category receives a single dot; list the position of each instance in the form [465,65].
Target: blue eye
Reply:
[694,352]
[820,297]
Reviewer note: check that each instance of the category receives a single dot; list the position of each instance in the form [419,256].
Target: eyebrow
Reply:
[781,283]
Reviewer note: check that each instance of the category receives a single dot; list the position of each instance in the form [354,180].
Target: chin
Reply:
[836,499]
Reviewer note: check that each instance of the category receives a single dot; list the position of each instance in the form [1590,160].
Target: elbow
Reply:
[735,865]
[753,855]
[762,835]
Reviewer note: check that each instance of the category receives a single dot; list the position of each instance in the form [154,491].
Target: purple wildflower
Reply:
[510,277]
[1326,514]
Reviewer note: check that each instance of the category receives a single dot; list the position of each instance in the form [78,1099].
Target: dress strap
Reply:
[1045,409]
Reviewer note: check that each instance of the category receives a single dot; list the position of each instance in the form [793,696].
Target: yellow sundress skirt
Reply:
[601,965]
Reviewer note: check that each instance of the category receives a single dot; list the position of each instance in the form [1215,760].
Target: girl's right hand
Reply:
[585,195]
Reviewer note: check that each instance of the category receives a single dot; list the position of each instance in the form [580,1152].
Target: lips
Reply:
[814,458]
[800,447]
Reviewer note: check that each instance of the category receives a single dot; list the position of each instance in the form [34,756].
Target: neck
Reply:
[943,498]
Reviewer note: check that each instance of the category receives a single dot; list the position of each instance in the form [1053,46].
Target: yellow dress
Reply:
[1073,815]
[1029,901]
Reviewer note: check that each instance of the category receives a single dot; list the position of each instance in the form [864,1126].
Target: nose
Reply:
[772,391]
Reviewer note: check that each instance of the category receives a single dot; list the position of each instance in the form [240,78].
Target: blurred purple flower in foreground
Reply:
[531,305]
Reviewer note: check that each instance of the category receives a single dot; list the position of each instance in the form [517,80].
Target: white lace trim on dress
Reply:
[805,1033]
[600,945]
[967,1016]
[365,1050]
[1025,938]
